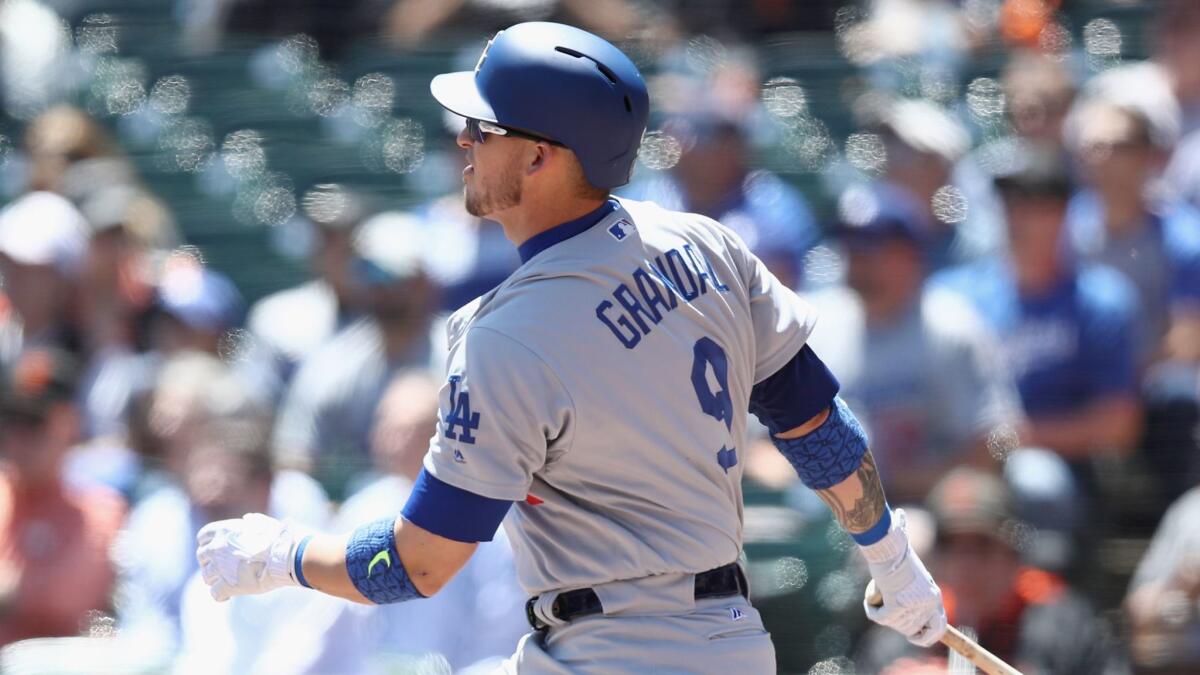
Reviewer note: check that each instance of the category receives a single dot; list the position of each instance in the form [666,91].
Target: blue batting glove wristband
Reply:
[830,453]
[298,562]
[374,564]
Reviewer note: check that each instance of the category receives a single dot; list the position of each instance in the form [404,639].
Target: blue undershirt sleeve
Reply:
[452,512]
[795,394]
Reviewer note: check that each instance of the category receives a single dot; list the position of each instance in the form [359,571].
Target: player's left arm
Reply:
[819,435]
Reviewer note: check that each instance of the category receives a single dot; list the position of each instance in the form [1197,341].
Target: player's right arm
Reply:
[499,408]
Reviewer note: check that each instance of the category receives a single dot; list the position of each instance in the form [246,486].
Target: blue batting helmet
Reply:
[562,83]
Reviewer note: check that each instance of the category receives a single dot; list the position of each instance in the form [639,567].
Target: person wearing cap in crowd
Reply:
[477,618]
[291,324]
[925,150]
[1027,616]
[325,417]
[1066,326]
[918,362]
[1121,143]
[1163,601]
[54,537]
[43,239]
[203,440]
[71,154]
[713,177]
[194,309]
[131,231]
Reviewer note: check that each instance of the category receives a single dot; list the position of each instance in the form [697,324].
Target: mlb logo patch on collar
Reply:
[620,229]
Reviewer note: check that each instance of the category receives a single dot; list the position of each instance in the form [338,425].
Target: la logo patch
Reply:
[620,229]
[461,416]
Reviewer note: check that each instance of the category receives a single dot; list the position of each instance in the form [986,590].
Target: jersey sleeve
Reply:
[782,320]
[502,412]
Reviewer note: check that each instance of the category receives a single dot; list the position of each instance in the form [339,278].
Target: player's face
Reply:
[492,179]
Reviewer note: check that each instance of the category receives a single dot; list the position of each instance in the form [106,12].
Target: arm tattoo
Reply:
[867,509]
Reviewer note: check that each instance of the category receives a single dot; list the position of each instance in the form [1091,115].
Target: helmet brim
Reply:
[457,93]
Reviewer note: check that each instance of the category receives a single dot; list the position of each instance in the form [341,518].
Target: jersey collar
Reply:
[560,233]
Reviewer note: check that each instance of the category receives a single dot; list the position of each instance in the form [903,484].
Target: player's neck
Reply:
[534,216]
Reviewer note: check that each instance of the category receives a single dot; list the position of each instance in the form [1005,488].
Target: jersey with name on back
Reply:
[604,387]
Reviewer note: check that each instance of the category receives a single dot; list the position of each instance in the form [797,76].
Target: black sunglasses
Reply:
[478,129]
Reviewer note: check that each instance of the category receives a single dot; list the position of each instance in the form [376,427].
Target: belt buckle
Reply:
[534,621]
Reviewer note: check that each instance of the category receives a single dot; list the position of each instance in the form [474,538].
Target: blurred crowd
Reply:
[1006,260]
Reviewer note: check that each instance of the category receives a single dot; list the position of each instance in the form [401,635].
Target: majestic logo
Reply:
[617,229]
[458,456]
[736,614]
[460,414]
[382,556]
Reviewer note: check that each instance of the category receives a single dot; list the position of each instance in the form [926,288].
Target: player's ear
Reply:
[539,157]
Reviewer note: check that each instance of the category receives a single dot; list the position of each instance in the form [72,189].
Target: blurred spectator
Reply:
[1163,604]
[291,324]
[43,239]
[130,233]
[1177,52]
[917,362]
[714,177]
[1065,328]
[1065,332]
[227,474]
[324,422]
[210,458]
[409,22]
[195,308]
[479,615]
[1026,616]
[923,145]
[910,43]
[54,538]
[469,256]
[1038,91]
[72,155]
[1117,221]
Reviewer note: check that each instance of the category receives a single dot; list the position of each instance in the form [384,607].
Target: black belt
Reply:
[719,583]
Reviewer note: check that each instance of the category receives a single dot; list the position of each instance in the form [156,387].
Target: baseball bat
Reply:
[954,639]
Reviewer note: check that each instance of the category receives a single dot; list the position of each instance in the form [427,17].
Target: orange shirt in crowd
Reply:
[54,558]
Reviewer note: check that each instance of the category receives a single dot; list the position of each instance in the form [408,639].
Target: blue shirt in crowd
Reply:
[1067,347]
[1161,259]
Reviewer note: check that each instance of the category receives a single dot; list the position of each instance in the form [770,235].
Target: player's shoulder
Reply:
[648,215]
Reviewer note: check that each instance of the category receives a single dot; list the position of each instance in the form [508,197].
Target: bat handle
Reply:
[954,639]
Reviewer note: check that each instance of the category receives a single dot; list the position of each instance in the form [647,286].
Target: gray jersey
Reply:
[604,387]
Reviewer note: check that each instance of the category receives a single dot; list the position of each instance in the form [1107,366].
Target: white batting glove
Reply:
[912,602]
[248,555]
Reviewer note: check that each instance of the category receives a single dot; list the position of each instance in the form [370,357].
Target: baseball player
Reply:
[595,403]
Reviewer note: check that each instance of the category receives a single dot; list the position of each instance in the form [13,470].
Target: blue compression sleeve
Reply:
[452,512]
[374,564]
[830,453]
[795,394]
